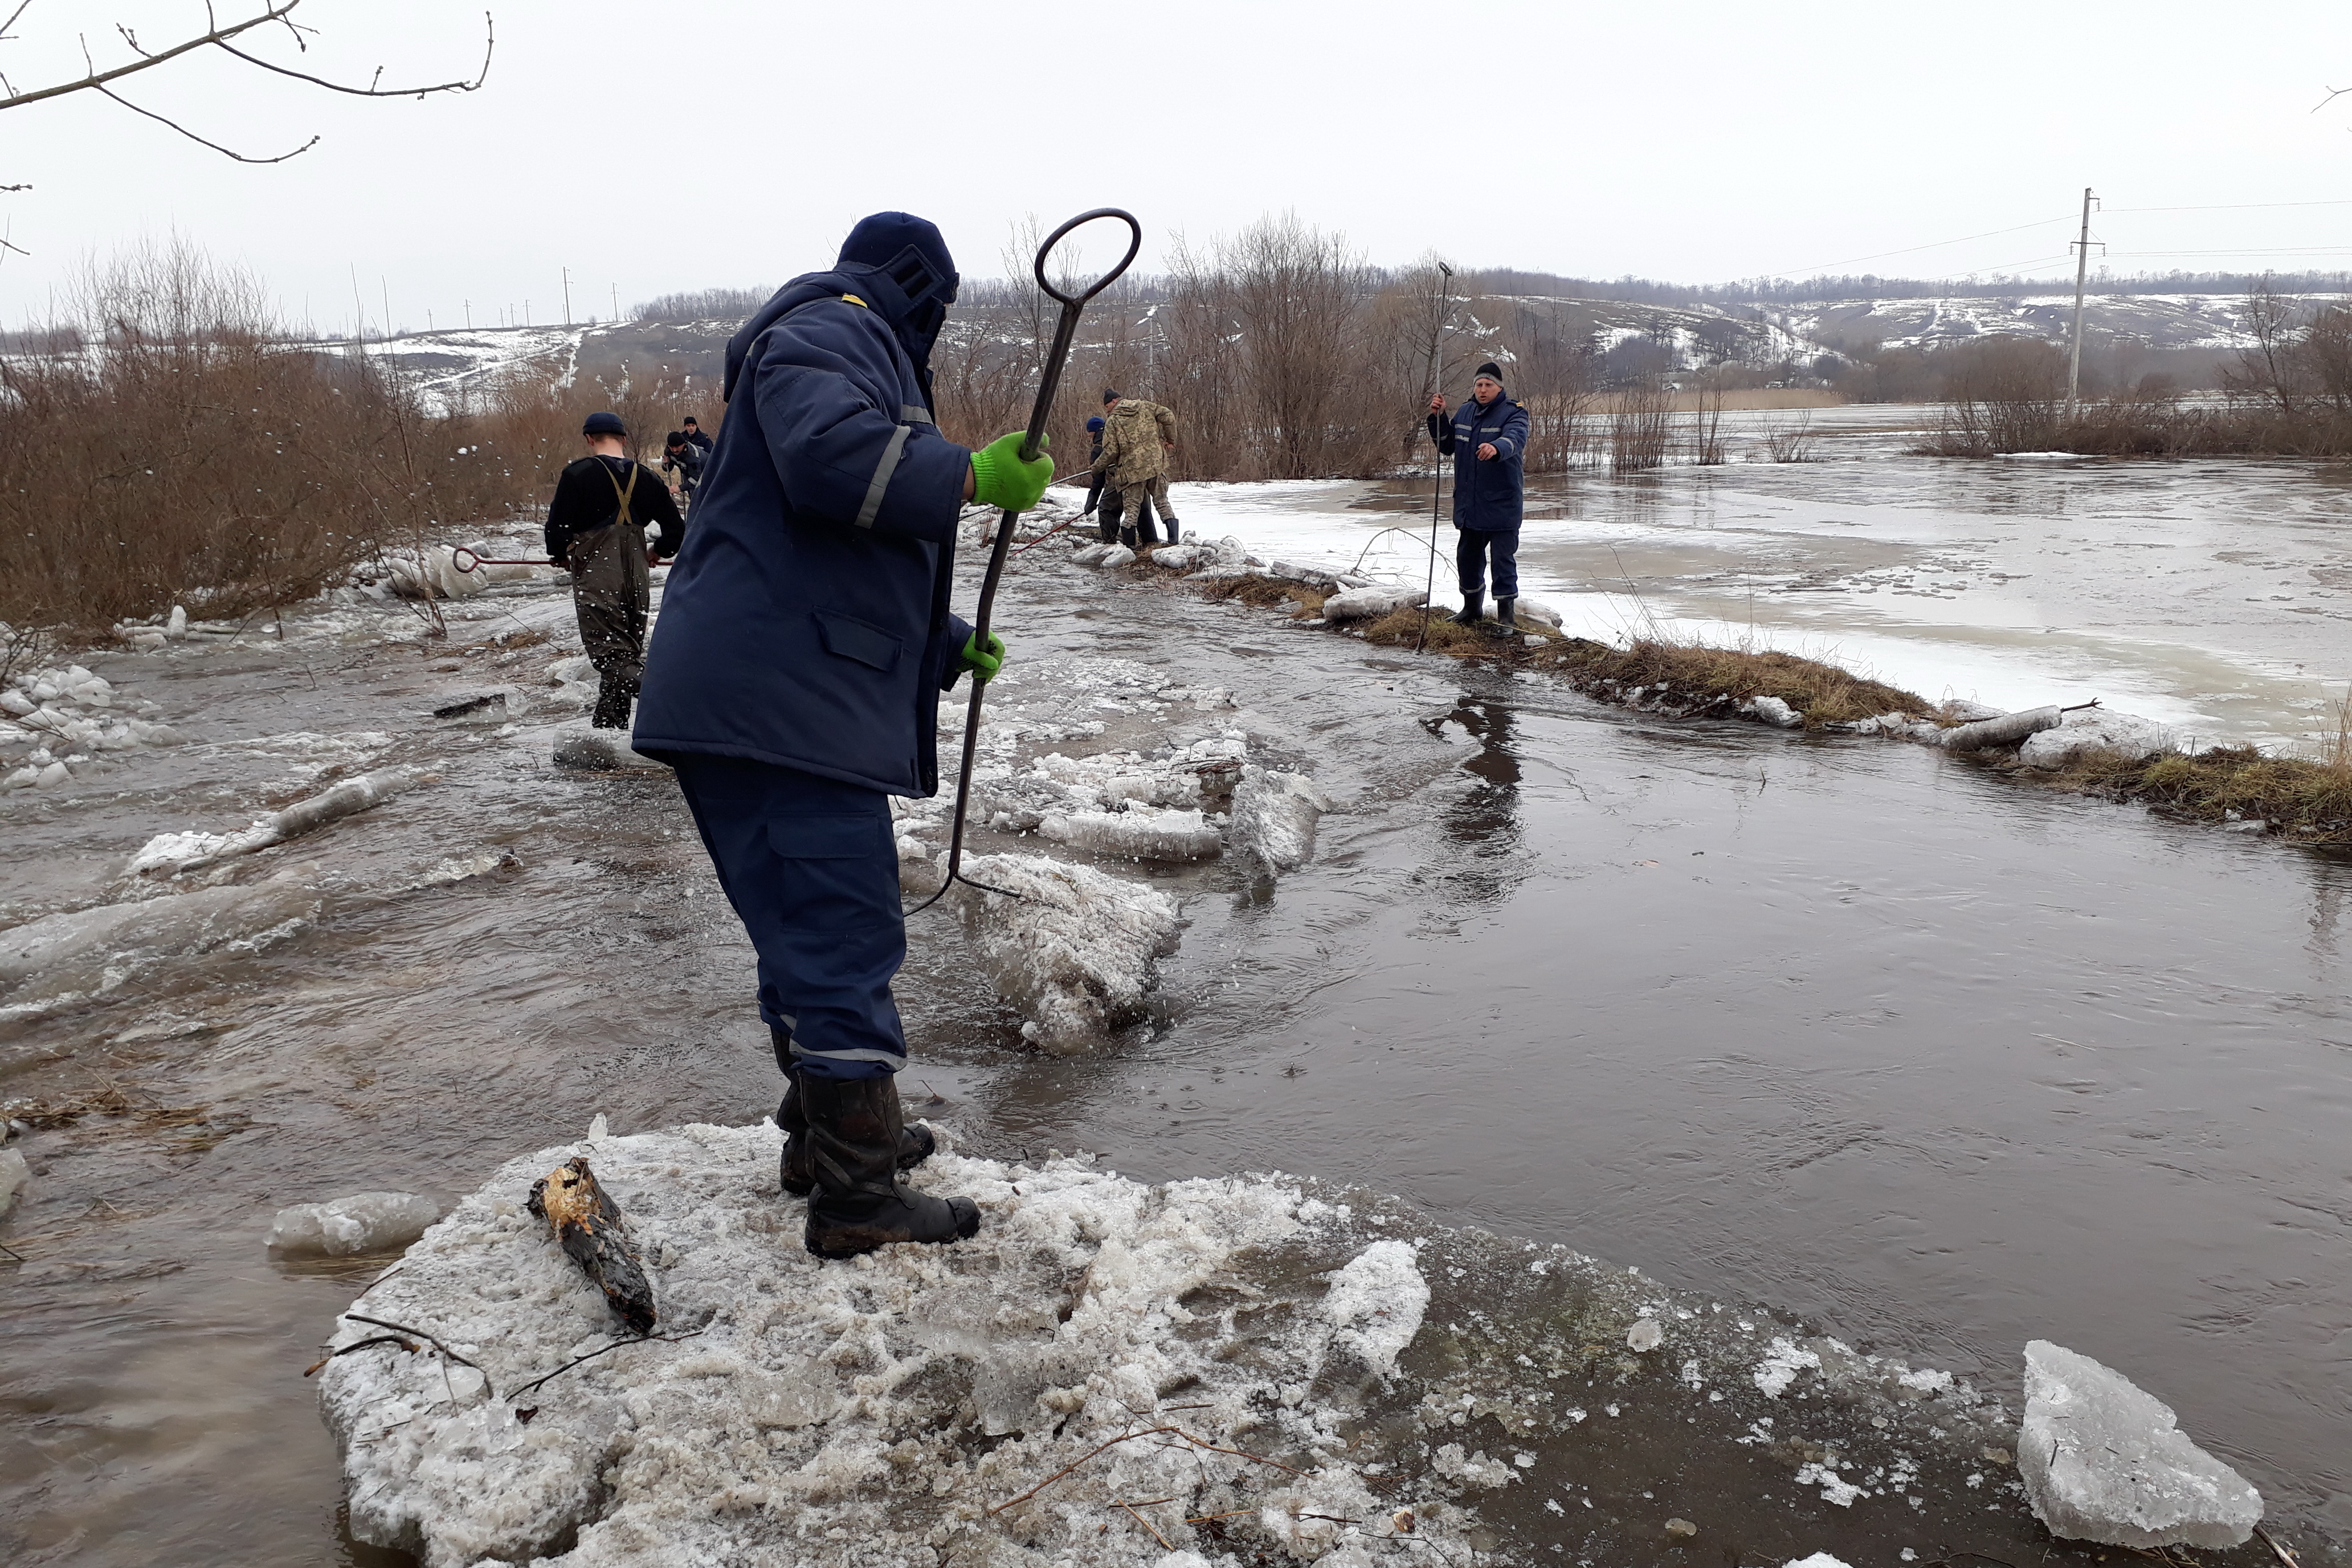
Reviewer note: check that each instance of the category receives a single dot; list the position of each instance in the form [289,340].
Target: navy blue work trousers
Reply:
[1471,551]
[811,866]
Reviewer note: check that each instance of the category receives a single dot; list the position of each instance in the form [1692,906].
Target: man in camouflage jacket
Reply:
[1137,438]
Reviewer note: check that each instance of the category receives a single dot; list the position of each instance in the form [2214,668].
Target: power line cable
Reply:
[1908,250]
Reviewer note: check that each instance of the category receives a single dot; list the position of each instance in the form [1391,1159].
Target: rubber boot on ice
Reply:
[1170,524]
[855,1133]
[1504,625]
[915,1143]
[1470,613]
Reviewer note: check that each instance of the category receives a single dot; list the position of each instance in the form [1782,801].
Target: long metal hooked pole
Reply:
[1073,305]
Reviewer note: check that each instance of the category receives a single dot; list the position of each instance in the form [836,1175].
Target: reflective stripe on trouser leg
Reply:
[1503,550]
[811,869]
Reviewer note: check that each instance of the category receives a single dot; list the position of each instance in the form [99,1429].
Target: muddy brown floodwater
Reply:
[1934,1062]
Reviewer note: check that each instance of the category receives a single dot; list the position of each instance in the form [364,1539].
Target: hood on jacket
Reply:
[896,263]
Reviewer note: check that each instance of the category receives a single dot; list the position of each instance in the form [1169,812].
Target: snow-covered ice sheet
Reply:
[1268,1371]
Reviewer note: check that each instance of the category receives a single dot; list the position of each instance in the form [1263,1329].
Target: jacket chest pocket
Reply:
[845,637]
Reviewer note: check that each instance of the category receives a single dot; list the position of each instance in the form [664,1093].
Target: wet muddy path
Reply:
[1934,1062]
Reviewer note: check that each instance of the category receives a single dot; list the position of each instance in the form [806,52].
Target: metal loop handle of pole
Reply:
[466,560]
[1032,442]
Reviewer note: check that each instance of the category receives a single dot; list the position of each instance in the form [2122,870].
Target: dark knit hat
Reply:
[603,422]
[1492,372]
[1110,395]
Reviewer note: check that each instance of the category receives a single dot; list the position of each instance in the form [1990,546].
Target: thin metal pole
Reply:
[567,296]
[1032,441]
[2081,270]
[1437,468]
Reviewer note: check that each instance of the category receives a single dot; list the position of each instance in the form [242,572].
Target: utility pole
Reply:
[2081,270]
[567,296]
[469,315]
[616,302]
[526,312]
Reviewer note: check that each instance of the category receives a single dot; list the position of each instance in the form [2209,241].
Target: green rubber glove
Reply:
[1000,478]
[983,663]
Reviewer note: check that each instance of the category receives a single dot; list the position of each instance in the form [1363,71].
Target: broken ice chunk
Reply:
[1376,1303]
[1274,816]
[1073,952]
[362,1221]
[1645,1335]
[2104,1460]
[1138,835]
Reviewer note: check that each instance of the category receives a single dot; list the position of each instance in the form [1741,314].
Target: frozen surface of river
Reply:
[2213,596]
[1934,1061]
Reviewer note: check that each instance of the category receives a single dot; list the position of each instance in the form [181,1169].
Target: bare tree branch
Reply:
[276,12]
[490,47]
[224,152]
[2333,94]
[217,35]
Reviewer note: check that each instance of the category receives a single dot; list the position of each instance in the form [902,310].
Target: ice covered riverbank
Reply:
[1241,1367]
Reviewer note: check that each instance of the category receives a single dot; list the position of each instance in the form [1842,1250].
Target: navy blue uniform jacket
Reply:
[805,623]
[1491,496]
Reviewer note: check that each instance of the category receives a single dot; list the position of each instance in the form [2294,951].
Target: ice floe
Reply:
[361,1221]
[1074,952]
[2104,1460]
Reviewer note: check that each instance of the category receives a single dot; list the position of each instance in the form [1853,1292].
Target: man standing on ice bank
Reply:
[1487,439]
[793,683]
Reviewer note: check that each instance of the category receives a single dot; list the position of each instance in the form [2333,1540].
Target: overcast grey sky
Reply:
[655,147]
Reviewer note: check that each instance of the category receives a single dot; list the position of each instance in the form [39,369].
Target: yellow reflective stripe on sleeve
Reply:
[856,301]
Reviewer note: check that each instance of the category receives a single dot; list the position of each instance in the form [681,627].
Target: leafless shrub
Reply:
[1793,444]
[1706,448]
[1641,430]
[2004,394]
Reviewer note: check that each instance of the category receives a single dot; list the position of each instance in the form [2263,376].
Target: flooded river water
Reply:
[1937,1062]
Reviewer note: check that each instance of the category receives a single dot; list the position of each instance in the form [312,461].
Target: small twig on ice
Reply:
[2281,1552]
[616,1344]
[1148,1525]
[437,1344]
[408,1345]
[1073,1464]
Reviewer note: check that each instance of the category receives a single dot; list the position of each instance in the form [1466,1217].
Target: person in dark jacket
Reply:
[1095,467]
[794,684]
[596,529]
[1487,439]
[695,437]
[682,456]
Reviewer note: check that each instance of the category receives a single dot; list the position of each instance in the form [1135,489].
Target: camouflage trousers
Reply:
[1145,496]
[612,593]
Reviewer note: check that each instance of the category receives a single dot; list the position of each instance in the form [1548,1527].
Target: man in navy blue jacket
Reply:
[793,682]
[1487,439]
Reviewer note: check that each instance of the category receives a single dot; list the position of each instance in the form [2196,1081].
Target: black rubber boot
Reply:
[1127,536]
[1107,530]
[915,1143]
[1170,524]
[854,1130]
[1504,625]
[1470,613]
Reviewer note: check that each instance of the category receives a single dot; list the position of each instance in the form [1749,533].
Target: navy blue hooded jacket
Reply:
[805,623]
[1490,496]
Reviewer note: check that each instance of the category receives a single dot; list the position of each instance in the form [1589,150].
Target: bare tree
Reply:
[2265,365]
[223,37]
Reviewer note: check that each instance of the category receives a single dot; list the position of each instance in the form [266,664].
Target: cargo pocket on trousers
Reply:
[849,637]
[838,874]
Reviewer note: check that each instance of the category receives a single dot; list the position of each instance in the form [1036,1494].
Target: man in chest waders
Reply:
[596,529]
[794,684]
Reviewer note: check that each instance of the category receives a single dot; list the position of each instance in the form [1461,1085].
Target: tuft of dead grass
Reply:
[1688,677]
[2296,796]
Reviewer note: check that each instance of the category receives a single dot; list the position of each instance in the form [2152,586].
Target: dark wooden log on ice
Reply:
[588,1224]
